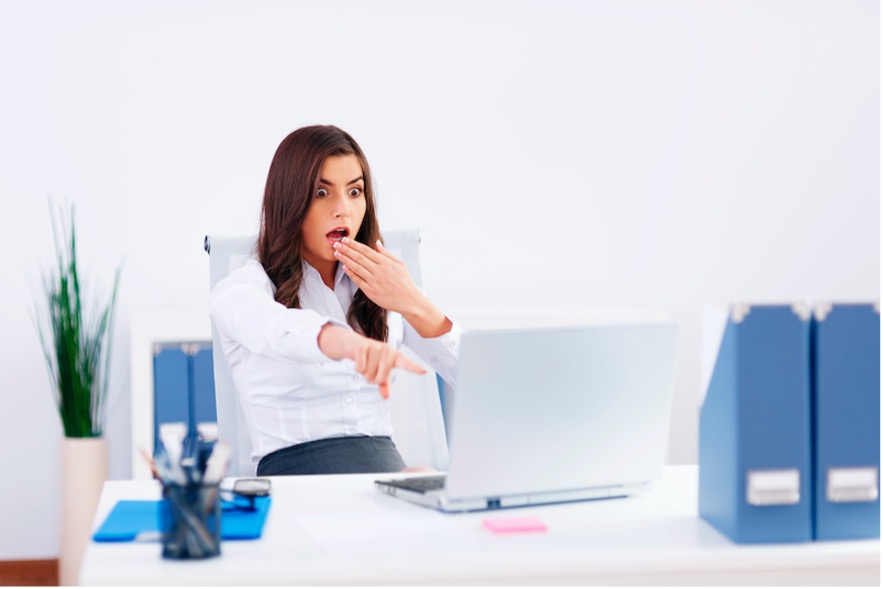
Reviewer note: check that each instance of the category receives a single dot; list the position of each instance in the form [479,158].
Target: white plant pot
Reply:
[83,472]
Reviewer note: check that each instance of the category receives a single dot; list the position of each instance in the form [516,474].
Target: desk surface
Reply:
[339,530]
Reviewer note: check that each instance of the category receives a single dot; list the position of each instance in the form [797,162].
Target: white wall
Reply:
[554,153]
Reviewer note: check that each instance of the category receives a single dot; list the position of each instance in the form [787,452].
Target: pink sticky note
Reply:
[512,525]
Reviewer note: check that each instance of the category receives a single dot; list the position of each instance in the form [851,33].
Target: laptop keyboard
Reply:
[419,484]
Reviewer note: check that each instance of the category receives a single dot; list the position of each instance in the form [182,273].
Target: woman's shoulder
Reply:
[250,273]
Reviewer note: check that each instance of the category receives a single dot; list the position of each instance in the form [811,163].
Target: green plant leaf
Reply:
[75,349]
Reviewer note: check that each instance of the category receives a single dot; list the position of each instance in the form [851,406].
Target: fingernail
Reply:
[345,240]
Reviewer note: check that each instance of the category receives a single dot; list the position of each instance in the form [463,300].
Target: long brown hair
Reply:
[291,185]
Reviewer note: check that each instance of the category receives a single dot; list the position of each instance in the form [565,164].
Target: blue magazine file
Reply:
[754,428]
[846,370]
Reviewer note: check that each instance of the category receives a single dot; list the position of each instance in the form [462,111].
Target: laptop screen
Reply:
[547,410]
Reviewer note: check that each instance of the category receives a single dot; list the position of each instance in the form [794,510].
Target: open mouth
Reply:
[337,234]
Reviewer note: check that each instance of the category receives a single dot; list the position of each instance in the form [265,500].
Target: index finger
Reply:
[403,362]
[363,249]
[382,249]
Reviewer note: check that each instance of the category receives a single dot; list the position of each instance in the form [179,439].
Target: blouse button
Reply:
[349,399]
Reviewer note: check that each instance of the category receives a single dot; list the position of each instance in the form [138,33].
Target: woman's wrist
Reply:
[337,342]
[426,319]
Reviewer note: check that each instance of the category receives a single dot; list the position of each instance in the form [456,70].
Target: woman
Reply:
[311,329]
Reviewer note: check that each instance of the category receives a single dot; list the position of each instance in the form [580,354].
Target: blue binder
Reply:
[846,369]
[203,391]
[754,429]
[184,385]
[171,367]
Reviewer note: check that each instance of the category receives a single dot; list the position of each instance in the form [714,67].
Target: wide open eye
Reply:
[355,192]
[321,193]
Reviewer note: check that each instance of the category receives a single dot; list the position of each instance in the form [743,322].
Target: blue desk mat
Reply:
[131,520]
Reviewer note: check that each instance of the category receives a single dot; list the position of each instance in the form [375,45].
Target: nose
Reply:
[341,205]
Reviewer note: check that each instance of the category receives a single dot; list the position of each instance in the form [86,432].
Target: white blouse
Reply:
[289,390]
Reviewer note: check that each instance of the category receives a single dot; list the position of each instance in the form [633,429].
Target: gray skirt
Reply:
[347,455]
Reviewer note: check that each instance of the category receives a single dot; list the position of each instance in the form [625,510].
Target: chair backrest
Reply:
[415,407]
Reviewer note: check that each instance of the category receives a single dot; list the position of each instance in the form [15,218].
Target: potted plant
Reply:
[75,334]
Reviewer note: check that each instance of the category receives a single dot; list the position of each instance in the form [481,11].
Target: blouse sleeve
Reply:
[243,309]
[440,352]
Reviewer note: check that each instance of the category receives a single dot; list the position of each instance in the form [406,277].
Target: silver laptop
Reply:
[553,415]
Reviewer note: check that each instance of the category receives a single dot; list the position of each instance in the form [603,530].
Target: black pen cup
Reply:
[190,521]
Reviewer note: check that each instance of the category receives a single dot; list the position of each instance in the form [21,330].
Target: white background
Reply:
[559,155]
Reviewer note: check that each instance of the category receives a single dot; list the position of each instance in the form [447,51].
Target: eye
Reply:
[321,193]
[355,192]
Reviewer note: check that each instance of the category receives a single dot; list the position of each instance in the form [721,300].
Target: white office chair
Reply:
[415,407]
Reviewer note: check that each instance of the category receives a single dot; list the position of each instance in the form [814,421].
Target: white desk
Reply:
[338,530]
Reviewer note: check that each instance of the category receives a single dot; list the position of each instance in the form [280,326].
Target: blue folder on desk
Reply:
[754,428]
[846,368]
[134,520]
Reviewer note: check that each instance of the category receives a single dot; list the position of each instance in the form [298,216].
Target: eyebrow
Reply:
[324,181]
